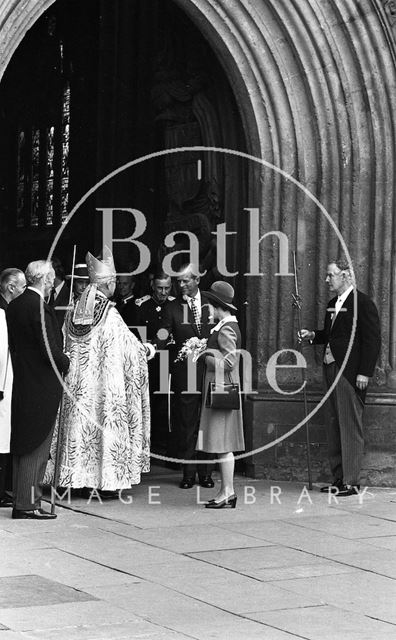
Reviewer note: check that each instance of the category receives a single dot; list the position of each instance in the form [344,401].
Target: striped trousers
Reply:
[344,428]
[28,474]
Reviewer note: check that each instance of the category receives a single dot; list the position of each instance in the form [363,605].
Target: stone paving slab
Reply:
[384,542]
[187,539]
[64,615]
[328,623]
[372,595]
[64,568]
[235,594]
[300,537]
[378,561]
[33,590]
[351,526]
[257,558]
[166,607]
[137,630]
[240,629]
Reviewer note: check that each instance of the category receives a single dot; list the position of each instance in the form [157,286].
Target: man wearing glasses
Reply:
[346,402]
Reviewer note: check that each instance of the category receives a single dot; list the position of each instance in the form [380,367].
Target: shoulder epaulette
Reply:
[140,301]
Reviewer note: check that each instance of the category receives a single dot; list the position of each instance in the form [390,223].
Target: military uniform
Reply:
[149,319]
[126,307]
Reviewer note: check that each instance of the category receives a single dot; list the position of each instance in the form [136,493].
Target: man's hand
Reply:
[150,350]
[361,381]
[305,334]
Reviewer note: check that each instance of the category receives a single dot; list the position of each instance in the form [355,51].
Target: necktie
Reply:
[51,299]
[194,309]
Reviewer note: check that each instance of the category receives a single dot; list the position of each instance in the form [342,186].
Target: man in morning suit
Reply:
[149,319]
[60,294]
[346,402]
[184,318]
[12,284]
[33,334]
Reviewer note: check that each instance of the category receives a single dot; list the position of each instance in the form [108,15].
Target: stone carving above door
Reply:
[193,179]
[390,10]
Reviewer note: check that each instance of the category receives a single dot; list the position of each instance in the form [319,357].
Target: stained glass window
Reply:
[34,217]
[42,181]
[49,201]
[65,151]
[20,208]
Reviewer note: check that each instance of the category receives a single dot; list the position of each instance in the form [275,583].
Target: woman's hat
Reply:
[221,293]
[80,272]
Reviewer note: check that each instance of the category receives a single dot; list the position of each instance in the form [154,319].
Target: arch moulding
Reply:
[315,83]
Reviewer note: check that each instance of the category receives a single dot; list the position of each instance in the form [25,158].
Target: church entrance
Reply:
[95,85]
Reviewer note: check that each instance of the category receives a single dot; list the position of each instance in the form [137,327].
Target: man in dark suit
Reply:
[125,299]
[38,360]
[149,319]
[346,402]
[184,318]
[60,294]
[12,284]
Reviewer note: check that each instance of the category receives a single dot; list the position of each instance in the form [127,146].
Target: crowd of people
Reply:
[99,348]
[83,395]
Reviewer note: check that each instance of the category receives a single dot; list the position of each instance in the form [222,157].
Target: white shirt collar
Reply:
[37,291]
[125,300]
[197,299]
[58,288]
[222,322]
[343,296]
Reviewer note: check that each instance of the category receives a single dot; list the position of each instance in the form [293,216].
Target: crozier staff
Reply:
[105,420]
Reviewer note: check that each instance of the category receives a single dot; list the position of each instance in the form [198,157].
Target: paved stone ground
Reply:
[165,568]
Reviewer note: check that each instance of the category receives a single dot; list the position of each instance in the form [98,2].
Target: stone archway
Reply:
[315,84]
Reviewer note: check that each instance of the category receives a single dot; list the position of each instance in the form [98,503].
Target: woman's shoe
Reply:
[229,502]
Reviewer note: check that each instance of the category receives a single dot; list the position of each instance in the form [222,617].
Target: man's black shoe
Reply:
[187,483]
[36,514]
[337,484]
[207,482]
[6,501]
[348,490]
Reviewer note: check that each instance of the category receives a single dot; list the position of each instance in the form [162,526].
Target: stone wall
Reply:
[315,85]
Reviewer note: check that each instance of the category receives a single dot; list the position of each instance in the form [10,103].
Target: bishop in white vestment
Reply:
[105,417]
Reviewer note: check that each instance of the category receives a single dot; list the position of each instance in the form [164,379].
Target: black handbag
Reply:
[225,396]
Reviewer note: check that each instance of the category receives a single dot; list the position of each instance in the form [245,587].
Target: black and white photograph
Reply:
[197,314]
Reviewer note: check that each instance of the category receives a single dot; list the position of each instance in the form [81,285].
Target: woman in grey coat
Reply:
[221,431]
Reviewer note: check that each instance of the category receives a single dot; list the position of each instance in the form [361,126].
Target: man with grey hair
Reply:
[346,402]
[12,284]
[36,347]
[187,317]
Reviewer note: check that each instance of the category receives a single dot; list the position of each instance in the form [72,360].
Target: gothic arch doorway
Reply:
[313,83]
[94,85]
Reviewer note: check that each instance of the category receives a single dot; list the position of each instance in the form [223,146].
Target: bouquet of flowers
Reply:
[193,347]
